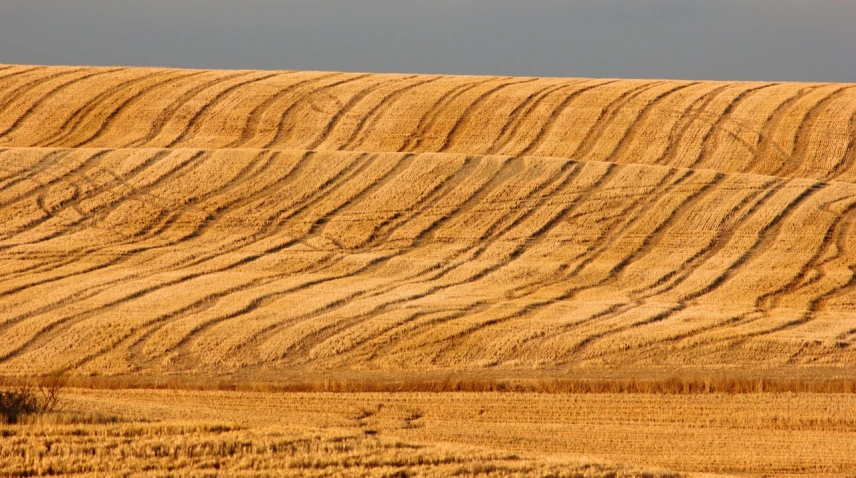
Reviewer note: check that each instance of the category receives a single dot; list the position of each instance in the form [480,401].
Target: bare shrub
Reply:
[27,399]
[18,402]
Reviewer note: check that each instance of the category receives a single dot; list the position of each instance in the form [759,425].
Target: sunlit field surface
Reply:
[650,275]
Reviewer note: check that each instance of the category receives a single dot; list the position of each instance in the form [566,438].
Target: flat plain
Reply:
[321,231]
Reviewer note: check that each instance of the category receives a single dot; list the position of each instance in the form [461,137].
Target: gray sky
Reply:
[802,40]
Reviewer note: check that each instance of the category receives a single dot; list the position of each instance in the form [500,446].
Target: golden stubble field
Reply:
[279,229]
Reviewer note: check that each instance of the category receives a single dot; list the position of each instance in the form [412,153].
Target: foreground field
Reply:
[809,434]
[211,449]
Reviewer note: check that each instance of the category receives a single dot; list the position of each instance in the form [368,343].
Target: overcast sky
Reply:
[803,40]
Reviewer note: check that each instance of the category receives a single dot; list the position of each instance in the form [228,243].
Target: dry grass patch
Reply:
[209,449]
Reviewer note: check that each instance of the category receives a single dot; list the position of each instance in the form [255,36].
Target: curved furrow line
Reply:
[601,179]
[83,255]
[848,159]
[193,125]
[201,201]
[5,79]
[444,270]
[719,122]
[522,111]
[631,214]
[91,290]
[483,125]
[585,120]
[448,343]
[91,221]
[739,140]
[152,327]
[632,131]
[130,255]
[259,302]
[430,192]
[552,120]
[159,122]
[22,91]
[78,173]
[41,185]
[352,103]
[636,212]
[237,202]
[719,242]
[568,293]
[429,118]
[424,237]
[65,322]
[764,237]
[580,348]
[387,349]
[831,238]
[105,126]
[307,348]
[433,273]
[767,145]
[683,125]
[469,111]
[649,244]
[183,167]
[159,225]
[705,255]
[91,105]
[848,226]
[268,332]
[104,210]
[47,96]
[251,128]
[376,342]
[353,170]
[814,304]
[807,129]
[383,233]
[141,333]
[616,274]
[735,218]
[662,316]
[301,349]
[283,130]
[370,119]
[315,226]
[527,206]
[74,227]
[41,166]
[277,221]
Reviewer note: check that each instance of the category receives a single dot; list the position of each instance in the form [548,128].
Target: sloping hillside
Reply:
[780,129]
[201,221]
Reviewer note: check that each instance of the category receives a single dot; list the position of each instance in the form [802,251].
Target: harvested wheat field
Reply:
[319,231]
[192,448]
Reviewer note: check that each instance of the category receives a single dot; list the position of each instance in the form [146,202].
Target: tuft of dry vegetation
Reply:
[27,399]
